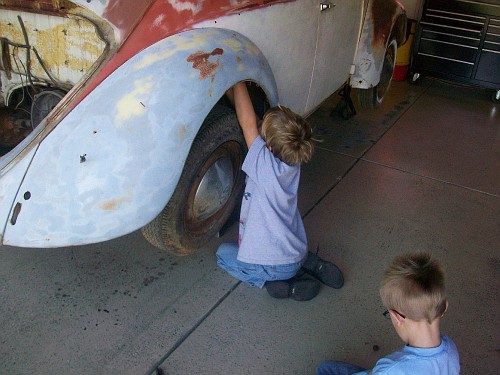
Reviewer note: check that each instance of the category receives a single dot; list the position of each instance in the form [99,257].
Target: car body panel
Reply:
[381,18]
[331,69]
[109,175]
[107,158]
[9,186]
[285,48]
[162,19]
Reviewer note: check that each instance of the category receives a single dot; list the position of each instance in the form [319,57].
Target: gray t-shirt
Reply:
[271,230]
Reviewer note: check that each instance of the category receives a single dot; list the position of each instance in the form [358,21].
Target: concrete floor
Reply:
[420,173]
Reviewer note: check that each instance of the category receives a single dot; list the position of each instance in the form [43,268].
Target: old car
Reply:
[114,117]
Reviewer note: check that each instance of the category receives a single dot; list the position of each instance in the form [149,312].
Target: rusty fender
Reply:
[112,164]
[384,19]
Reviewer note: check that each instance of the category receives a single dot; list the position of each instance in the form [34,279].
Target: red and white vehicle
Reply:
[113,115]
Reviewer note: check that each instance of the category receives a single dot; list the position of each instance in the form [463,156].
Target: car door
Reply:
[338,34]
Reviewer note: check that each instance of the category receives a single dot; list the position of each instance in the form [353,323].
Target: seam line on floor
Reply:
[431,178]
[357,159]
[188,333]
[179,342]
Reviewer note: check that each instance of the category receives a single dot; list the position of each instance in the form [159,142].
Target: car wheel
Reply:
[209,188]
[373,97]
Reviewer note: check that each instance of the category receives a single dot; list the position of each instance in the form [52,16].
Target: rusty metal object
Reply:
[14,127]
[382,12]
[200,62]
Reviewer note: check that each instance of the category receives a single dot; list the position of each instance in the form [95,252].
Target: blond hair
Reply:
[288,135]
[413,285]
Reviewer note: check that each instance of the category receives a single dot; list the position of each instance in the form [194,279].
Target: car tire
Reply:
[210,187]
[373,97]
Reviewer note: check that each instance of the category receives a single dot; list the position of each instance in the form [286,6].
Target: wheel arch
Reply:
[113,162]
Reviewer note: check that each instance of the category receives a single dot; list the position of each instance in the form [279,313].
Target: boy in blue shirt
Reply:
[272,243]
[413,291]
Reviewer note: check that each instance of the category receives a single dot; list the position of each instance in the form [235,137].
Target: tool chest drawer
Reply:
[489,63]
[459,40]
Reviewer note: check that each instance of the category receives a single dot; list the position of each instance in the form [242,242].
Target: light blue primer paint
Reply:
[9,184]
[135,130]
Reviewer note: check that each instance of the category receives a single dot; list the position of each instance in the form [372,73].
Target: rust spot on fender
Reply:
[382,12]
[181,133]
[112,204]
[200,61]
[160,20]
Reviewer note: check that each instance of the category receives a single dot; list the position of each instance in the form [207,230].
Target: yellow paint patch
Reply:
[67,46]
[179,43]
[251,49]
[234,44]
[149,60]
[133,103]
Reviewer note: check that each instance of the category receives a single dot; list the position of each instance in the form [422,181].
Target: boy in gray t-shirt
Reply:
[272,243]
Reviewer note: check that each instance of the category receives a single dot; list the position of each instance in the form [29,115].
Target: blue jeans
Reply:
[253,274]
[337,368]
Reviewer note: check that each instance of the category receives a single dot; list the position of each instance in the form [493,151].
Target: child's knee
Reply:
[227,251]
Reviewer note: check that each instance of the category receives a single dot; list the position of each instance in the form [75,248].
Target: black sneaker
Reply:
[326,272]
[302,289]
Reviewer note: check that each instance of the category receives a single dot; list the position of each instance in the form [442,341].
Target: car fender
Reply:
[383,19]
[111,165]
[9,187]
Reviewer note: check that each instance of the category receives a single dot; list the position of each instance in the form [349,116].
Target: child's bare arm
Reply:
[230,95]
[245,112]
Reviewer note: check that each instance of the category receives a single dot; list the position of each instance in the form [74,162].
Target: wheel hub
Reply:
[214,190]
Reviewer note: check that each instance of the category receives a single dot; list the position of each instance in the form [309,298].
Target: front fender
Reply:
[113,162]
[384,19]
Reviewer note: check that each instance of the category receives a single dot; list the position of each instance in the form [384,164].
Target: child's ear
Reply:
[397,318]
[445,309]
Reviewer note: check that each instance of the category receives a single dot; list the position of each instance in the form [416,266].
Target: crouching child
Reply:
[272,245]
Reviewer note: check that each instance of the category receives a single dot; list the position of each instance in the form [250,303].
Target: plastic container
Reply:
[404,53]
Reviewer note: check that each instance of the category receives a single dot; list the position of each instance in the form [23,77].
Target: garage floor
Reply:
[420,173]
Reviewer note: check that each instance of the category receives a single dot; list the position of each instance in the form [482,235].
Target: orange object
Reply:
[404,53]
